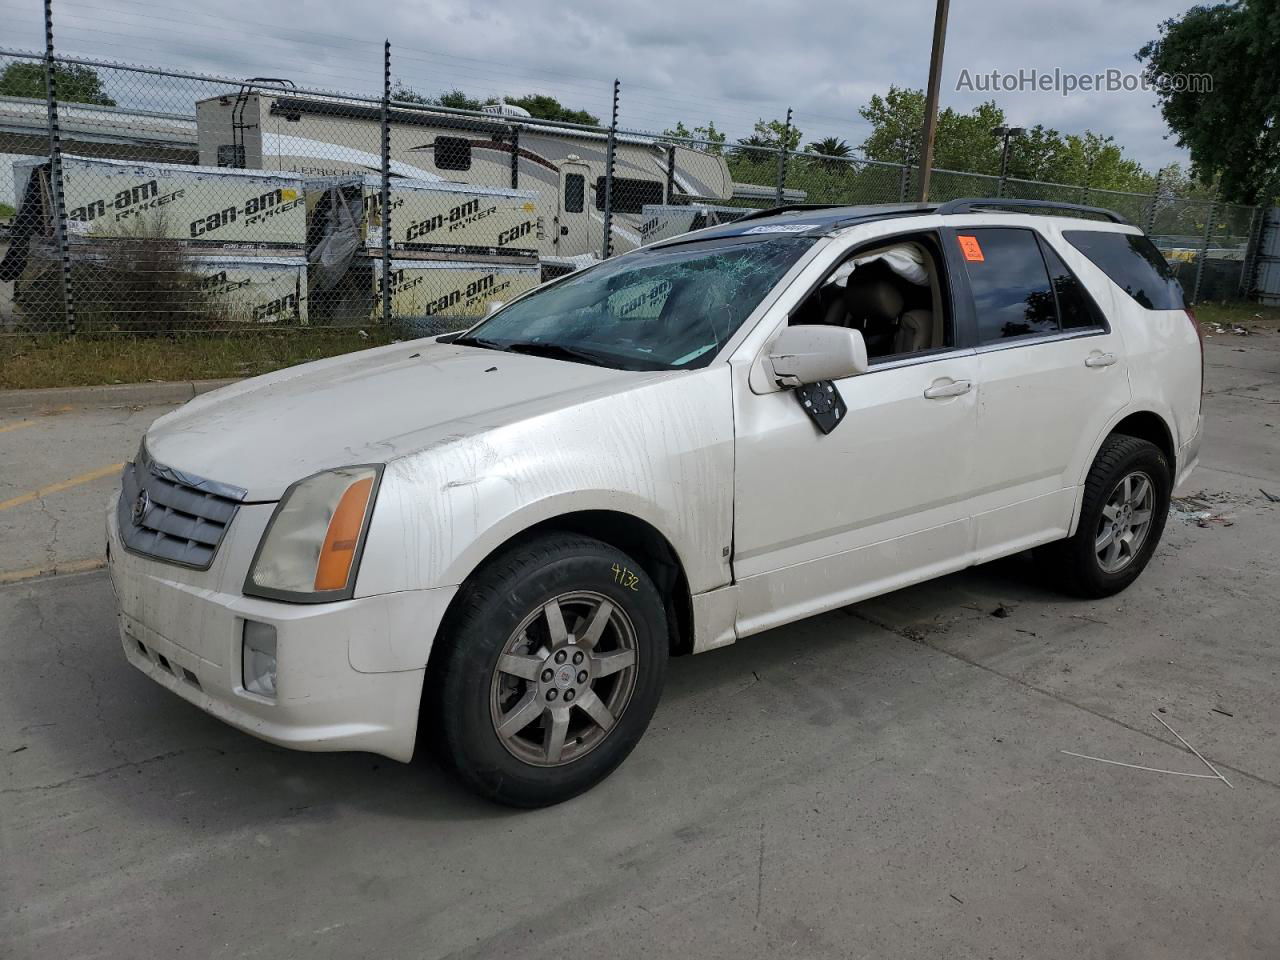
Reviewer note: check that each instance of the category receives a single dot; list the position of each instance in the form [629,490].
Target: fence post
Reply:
[1155,200]
[904,181]
[384,192]
[55,174]
[515,157]
[606,248]
[1204,247]
[1254,239]
[782,161]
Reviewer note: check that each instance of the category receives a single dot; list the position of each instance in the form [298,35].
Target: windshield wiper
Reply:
[560,351]
[480,342]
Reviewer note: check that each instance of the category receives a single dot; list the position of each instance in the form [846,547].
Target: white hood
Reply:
[370,407]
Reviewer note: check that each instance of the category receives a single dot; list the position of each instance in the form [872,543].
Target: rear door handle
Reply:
[941,389]
[1100,360]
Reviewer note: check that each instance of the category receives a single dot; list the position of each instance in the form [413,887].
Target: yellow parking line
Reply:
[71,566]
[61,485]
[20,425]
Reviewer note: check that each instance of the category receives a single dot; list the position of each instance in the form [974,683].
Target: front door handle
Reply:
[1100,360]
[941,389]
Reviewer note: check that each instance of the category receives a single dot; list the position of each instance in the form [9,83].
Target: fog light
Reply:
[258,658]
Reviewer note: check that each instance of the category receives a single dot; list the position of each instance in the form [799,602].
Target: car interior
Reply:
[892,293]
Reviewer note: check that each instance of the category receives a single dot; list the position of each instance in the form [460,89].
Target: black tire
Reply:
[1074,564]
[464,681]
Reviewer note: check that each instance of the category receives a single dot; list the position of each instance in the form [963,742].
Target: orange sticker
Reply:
[969,247]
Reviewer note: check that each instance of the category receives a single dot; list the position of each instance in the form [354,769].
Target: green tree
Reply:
[833,154]
[964,143]
[712,140]
[549,108]
[963,140]
[75,83]
[539,105]
[1233,129]
[773,134]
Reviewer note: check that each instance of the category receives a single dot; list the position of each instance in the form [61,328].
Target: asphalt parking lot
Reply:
[884,781]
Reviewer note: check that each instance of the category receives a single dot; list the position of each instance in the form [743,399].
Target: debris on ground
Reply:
[1225,713]
[1216,775]
[1270,496]
[1002,611]
[1204,508]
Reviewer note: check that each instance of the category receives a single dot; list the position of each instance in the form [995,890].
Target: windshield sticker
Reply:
[969,247]
[782,228]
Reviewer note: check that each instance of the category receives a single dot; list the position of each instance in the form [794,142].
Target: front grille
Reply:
[173,516]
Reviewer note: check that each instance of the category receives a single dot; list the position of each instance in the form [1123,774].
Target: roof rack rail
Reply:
[972,204]
[789,208]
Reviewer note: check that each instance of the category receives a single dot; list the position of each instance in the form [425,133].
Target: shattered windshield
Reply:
[659,309]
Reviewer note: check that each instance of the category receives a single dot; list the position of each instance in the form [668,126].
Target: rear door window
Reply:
[1134,264]
[1012,295]
[1076,309]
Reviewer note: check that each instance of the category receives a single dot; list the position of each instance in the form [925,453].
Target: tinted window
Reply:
[1134,264]
[1010,285]
[575,189]
[453,153]
[629,195]
[1076,309]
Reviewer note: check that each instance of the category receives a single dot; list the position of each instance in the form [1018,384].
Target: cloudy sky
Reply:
[731,61]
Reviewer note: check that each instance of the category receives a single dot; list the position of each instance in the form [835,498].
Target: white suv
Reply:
[499,538]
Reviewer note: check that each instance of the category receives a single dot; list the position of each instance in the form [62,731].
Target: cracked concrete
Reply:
[66,527]
[883,781]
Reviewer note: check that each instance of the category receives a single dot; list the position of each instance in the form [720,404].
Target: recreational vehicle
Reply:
[310,136]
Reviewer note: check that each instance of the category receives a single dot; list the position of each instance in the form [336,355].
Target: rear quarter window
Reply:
[1134,264]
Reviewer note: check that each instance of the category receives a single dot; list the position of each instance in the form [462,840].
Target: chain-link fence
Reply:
[182,202]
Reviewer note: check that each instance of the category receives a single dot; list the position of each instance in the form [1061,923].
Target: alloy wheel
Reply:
[1125,521]
[563,679]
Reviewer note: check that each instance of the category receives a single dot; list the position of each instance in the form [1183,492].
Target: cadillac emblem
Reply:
[140,507]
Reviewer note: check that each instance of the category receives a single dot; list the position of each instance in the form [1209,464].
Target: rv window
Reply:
[231,155]
[629,196]
[453,153]
[575,189]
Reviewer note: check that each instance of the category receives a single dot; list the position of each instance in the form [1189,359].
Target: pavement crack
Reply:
[917,637]
[126,765]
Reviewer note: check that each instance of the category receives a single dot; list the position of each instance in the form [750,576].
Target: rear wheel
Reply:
[1122,515]
[550,670]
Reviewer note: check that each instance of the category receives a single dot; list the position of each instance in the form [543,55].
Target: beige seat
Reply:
[915,332]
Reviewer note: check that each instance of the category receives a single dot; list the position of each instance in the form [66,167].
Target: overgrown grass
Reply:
[27,362]
[1251,316]
[6,211]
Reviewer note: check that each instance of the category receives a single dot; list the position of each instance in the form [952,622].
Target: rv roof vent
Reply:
[505,110]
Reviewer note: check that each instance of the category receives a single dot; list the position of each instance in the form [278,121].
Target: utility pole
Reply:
[931,98]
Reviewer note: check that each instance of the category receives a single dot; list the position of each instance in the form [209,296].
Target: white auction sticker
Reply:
[782,228]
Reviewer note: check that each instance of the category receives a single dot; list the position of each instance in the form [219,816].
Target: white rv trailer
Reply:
[312,136]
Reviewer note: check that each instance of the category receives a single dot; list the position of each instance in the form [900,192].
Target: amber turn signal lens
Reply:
[342,537]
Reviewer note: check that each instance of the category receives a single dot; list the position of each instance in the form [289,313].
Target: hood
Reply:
[374,406]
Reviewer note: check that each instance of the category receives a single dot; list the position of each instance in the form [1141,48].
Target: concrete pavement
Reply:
[886,780]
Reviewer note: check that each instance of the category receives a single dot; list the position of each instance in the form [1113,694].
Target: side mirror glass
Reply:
[809,353]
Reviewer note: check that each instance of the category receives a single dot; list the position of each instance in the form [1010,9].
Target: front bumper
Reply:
[349,674]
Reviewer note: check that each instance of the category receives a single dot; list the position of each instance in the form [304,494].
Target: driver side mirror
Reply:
[807,353]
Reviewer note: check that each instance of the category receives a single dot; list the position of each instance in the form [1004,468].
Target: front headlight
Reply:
[311,549]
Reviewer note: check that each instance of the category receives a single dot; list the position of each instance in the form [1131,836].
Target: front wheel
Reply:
[550,670]
[1122,515]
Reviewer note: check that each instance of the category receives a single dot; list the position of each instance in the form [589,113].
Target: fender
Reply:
[1148,405]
